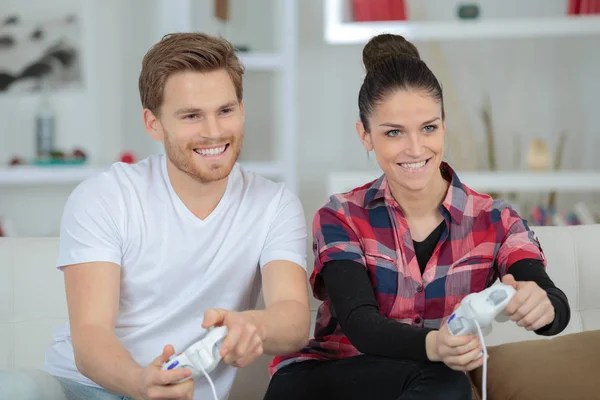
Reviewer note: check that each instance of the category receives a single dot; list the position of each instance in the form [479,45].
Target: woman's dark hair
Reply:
[393,63]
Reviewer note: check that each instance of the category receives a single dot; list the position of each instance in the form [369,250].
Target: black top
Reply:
[424,249]
[354,304]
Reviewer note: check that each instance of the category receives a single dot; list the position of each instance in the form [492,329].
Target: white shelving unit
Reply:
[565,181]
[340,31]
[176,15]
[286,23]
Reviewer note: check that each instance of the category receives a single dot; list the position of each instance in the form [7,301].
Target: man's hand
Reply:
[530,306]
[153,383]
[460,353]
[244,341]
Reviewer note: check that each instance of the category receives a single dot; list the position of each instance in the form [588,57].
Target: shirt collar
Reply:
[454,203]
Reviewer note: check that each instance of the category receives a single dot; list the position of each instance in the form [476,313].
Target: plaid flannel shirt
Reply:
[482,239]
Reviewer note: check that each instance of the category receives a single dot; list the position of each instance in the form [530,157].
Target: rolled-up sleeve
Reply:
[333,240]
[519,242]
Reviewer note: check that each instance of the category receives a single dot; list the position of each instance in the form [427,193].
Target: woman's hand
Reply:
[460,353]
[530,306]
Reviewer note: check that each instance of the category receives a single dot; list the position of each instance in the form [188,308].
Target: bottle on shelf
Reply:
[45,126]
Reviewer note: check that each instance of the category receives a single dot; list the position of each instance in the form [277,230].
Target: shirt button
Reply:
[420,288]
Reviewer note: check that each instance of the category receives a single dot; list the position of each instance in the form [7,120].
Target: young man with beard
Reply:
[156,252]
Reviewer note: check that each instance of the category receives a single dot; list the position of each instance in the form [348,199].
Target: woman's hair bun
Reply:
[385,46]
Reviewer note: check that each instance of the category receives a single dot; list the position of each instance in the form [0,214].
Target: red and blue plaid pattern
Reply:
[483,237]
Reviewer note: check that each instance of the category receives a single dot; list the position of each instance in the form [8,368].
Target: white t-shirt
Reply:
[174,265]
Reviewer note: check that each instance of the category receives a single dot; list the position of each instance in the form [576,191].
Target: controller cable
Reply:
[484,376]
[212,385]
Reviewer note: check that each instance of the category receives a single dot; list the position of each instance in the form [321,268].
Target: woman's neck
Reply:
[423,203]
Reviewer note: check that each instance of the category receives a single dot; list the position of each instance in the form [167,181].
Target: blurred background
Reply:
[521,84]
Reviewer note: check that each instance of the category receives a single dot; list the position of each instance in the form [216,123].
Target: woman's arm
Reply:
[520,255]
[533,270]
[353,303]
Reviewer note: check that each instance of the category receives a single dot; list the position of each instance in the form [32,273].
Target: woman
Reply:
[393,258]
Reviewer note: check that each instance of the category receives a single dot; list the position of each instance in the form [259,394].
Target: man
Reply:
[156,252]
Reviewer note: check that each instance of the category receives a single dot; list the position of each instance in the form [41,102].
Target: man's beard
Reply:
[182,159]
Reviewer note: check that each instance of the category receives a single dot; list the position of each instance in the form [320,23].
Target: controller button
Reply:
[418,320]
[498,296]
[455,325]
[176,363]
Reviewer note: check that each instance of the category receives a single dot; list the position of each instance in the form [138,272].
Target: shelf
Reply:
[566,181]
[72,175]
[269,170]
[32,175]
[261,61]
[339,32]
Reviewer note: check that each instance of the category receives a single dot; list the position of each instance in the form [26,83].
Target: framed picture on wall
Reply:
[36,49]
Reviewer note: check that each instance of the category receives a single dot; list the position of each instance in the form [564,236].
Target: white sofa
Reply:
[32,299]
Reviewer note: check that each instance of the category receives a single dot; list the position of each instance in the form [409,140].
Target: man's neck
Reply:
[424,203]
[200,198]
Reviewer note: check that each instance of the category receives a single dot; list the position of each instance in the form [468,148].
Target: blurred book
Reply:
[581,214]
[583,7]
[379,10]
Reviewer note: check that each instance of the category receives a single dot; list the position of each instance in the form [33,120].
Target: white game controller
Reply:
[482,307]
[201,357]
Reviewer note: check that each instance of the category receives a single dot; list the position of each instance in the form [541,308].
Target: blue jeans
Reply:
[39,385]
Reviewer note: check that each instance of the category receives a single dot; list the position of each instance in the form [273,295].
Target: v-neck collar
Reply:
[181,205]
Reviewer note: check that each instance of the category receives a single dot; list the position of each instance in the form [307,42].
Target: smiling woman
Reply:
[395,256]
[402,115]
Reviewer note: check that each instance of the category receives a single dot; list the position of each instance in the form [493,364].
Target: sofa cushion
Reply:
[564,367]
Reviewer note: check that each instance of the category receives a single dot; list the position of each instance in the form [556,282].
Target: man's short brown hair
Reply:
[180,52]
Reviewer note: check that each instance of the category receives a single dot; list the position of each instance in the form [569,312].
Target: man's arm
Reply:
[90,256]
[285,321]
[282,327]
[93,298]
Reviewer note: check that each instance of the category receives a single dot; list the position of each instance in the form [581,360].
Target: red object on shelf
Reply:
[127,157]
[16,161]
[398,9]
[379,10]
[583,7]
[573,7]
